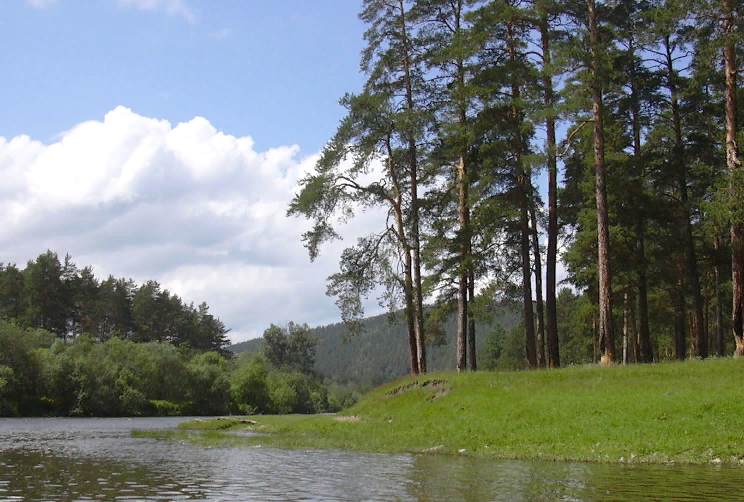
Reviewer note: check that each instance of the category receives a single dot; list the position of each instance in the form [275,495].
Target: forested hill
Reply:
[381,353]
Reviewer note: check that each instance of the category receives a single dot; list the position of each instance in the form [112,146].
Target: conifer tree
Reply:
[450,50]
[606,332]
[392,61]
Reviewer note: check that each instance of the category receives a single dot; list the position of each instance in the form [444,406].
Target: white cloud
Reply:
[172,7]
[41,4]
[200,211]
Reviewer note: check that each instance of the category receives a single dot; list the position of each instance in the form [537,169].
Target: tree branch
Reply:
[571,136]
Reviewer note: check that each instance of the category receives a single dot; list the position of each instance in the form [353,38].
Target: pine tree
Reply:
[450,50]
[47,303]
[606,332]
[545,16]
[731,13]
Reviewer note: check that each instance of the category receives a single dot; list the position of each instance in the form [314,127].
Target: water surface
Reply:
[98,459]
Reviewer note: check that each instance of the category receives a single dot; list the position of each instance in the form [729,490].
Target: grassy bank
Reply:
[691,412]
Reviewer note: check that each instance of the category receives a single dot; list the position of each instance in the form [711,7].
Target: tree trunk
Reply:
[410,316]
[688,237]
[524,223]
[417,289]
[538,290]
[606,334]
[644,353]
[529,321]
[706,313]
[734,167]
[471,324]
[701,340]
[462,299]
[680,337]
[408,266]
[415,235]
[635,346]
[720,341]
[626,327]
[465,265]
[553,355]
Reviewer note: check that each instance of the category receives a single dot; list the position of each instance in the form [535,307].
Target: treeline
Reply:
[58,297]
[461,111]
[377,354]
[43,375]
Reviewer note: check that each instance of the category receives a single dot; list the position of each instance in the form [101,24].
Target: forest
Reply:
[56,296]
[72,345]
[627,111]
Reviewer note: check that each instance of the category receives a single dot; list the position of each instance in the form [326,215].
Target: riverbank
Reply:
[690,412]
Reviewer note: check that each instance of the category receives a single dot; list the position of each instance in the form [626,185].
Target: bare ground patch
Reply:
[441,387]
[444,391]
[352,419]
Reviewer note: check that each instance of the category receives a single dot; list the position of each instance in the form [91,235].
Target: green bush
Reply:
[44,375]
[7,406]
[249,388]
[209,389]
[282,392]
[163,408]
[341,397]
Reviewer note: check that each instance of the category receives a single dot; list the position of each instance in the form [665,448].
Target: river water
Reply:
[98,459]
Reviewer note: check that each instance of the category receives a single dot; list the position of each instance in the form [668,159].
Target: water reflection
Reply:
[435,478]
[445,478]
[78,459]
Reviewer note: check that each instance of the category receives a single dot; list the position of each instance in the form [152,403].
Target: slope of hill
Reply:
[380,353]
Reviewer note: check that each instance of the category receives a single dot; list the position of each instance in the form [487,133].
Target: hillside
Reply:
[380,353]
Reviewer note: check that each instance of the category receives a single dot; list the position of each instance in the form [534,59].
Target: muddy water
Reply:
[98,459]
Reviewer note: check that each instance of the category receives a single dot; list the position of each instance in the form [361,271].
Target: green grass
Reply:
[691,412]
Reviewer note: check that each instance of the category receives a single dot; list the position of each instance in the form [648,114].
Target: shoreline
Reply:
[669,413]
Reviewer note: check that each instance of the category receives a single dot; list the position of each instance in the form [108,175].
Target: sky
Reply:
[163,139]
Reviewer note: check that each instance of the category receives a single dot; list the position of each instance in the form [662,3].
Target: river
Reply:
[98,459]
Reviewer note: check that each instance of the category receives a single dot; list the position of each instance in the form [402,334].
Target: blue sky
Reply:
[163,139]
[270,70]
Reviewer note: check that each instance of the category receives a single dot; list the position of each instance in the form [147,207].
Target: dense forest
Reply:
[71,345]
[631,110]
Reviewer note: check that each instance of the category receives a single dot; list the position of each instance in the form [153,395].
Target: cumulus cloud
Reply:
[172,7]
[200,211]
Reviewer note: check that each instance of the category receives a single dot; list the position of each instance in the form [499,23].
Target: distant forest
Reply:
[378,353]
[57,296]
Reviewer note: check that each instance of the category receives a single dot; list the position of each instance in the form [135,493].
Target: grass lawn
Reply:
[690,412]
